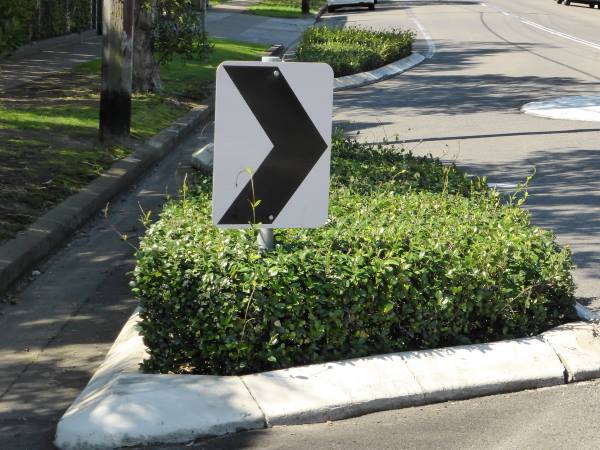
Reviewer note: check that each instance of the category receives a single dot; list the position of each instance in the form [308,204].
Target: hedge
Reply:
[24,21]
[353,49]
[415,255]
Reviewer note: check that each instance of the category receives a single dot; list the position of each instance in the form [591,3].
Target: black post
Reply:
[99,17]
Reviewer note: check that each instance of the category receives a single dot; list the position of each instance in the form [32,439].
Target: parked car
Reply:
[590,3]
[332,5]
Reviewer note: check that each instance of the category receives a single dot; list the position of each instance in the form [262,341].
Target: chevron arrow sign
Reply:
[272,144]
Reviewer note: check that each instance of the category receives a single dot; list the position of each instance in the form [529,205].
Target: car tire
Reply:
[330,9]
[372,7]
[567,2]
[559,1]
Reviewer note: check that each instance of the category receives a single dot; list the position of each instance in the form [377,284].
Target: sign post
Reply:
[272,145]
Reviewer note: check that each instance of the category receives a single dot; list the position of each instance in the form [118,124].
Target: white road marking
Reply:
[584,107]
[548,30]
[430,43]
[559,33]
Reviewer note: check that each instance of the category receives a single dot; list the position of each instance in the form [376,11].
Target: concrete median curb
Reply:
[50,231]
[121,406]
[376,75]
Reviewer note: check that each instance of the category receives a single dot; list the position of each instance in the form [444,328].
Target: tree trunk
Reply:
[146,71]
[117,46]
[305,6]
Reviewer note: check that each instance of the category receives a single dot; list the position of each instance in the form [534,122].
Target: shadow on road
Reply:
[449,85]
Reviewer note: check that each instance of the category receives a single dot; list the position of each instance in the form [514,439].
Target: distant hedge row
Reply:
[23,21]
[353,49]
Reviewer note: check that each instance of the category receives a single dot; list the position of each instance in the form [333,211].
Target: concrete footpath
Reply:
[64,54]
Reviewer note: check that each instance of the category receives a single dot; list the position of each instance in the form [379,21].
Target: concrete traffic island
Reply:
[121,406]
[582,107]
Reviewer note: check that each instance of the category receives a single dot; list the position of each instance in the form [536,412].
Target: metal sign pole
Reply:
[266,238]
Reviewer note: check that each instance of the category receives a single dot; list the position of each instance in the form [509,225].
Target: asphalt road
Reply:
[462,104]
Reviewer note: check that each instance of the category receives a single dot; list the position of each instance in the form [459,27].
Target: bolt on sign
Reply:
[272,144]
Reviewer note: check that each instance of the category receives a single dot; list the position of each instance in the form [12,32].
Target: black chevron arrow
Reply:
[297,144]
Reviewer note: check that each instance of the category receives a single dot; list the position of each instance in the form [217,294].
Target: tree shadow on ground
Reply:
[447,85]
[46,385]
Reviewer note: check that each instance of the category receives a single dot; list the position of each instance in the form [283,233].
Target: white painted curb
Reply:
[584,107]
[121,406]
[373,76]
[578,347]
[203,159]
[351,388]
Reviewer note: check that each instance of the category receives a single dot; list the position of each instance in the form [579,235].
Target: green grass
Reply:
[48,129]
[150,113]
[284,8]
[190,77]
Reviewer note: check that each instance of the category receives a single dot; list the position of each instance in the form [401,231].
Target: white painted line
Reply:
[559,33]
[548,30]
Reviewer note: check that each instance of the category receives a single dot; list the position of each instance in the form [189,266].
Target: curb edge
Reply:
[121,360]
[49,231]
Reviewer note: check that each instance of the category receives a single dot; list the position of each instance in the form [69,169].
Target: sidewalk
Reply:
[24,69]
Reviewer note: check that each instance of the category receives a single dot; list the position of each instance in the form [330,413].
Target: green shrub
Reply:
[352,50]
[415,255]
[22,21]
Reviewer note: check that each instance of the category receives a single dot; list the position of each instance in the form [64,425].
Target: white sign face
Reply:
[272,144]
